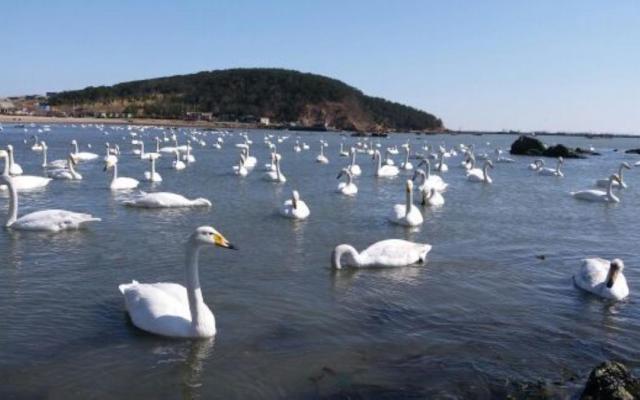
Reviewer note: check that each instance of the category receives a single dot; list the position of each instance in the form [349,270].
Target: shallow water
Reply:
[483,318]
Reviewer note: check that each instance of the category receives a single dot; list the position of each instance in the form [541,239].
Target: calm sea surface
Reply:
[485,317]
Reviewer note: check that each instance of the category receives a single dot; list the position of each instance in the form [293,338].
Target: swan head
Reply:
[561,160]
[9,148]
[409,186]
[615,268]
[207,236]
[74,141]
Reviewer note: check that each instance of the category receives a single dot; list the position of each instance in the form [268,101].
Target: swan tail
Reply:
[123,287]
[423,255]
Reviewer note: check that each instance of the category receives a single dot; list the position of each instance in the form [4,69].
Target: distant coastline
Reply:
[32,119]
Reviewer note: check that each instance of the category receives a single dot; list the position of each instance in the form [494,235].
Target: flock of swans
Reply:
[175,310]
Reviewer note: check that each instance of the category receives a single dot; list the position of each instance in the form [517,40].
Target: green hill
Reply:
[283,96]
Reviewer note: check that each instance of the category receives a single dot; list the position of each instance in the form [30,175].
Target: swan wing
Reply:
[53,221]
[158,200]
[160,308]
[395,253]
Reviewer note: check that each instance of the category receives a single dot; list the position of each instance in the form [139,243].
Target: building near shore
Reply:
[7,106]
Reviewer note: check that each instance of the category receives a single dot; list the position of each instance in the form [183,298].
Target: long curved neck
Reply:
[10,159]
[379,161]
[558,167]
[406,159]
[423,178]
[321,150]
[485,172]
[610,190]
[115,172]
[44,156]
[194,292]
[349,178]
[153,167]
[353,158]
[409,201]
[278,173]
[141,149]
[427,170]
[13,202]
[75,147]
[70,166]
[620,172]
[342,250]
[157,145]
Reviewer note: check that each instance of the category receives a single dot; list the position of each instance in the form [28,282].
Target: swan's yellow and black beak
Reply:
[221,241]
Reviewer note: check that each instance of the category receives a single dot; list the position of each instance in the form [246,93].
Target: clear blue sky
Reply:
[552,65]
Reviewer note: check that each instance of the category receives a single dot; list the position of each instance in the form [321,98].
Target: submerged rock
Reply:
[633,151]
[530,146]
[611,380]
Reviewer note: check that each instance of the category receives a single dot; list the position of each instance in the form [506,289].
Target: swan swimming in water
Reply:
[353,167]
[14,167]
[21,182]
[441,166]
[383,254]
[406,165]
[44,220]
[343,153]
[553,172]
[119,183]
[347,188]
[152,176]
[170,309]
[603,278]
[537,165]
[480,175]
[599,195]
[82,155]
[68,173]
[275,176]
[501,159]
[164,200]
[53,164]
[322,159]
[385,171]
[432,198]
[622,184]
[429,180]
[407,214]
[295,208]
[178,164]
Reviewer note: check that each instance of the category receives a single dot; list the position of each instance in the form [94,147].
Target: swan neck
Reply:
[75,147]
[620,173]
[340,251]
[44,156]
[194,291]
[485,172]
[115,172]
[409,201]
[12,216]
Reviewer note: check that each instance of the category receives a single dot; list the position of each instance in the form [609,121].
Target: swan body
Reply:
[553,172]
[600,196]
[385,171]
[164,200]
[603,278]
[622,185]
[322,159]
[429,180]
[407,214]
[383,254]
[178,164]
[347,188]
[44,220]
[295,208]
[21,182]
[171,309]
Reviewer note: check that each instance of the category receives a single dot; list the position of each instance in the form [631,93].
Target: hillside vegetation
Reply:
[283,96]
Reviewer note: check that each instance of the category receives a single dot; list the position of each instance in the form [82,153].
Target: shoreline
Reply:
[32,119]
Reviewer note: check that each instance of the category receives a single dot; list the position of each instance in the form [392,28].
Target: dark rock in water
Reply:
[587,152]
[633,151]
[530,146]
[612,381]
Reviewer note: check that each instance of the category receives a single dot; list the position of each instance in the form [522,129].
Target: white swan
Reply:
[383,254]
[14,167]
[469,161]
[21,182]
[44,220]
[353,167]
[343,153]
[537,165]
[119,182]
[385,171]
[109,154]
[347,188]
[480,175]
[407,214]
[68,173]
[501,159]
[599,195]
[164,200]
[170,309]
[432,197]
[429,180]
[189,158]
[170,149]
[275,176]
[250,161]
[322,159]
[240,169]
[178,164]
[82,155]
[388,160]
[152,176]
[553,172]
[406,165]
[622,184]
[441,166]
[295,208]
[603,278]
